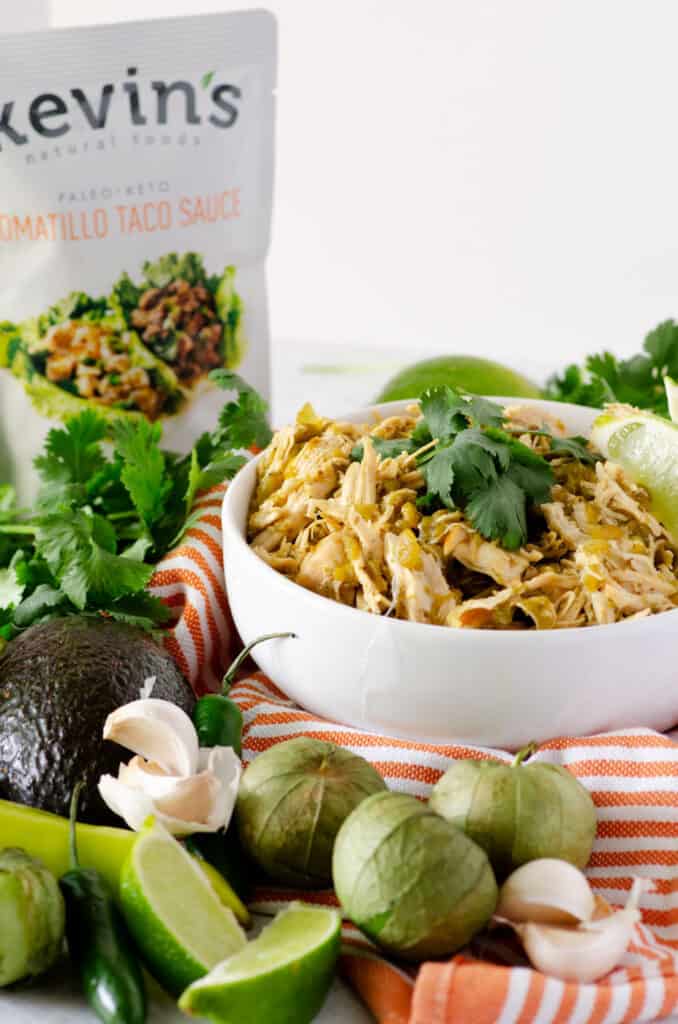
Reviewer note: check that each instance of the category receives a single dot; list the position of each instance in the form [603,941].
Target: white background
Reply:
[464,175]
[469,175]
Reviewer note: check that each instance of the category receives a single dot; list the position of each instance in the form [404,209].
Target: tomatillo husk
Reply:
[412,882]
[292,801]
[518,812]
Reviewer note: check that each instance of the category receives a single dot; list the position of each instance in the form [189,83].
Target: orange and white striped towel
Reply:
[632,775]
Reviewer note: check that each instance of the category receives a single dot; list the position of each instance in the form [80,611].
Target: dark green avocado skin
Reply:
[58,682]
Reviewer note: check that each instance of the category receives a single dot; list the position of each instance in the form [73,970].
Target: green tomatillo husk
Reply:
[31,916]
[412,882]
[518,812]
[293,799]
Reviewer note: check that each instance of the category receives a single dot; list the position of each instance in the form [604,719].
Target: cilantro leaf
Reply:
[478,456]
[529,470]
[448,411]
[438,472]
[441,409]
[576,446]
[87,571]
[43,601]
[11,589]
[661,345]
[497,511]
[577,385]
[137,444]
[222,468]
[143,610]
[7,628]
[73,453]
[638,381]
[244,423]
[421,435]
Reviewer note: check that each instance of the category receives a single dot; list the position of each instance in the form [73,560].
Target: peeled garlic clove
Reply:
[203,802]
[159,731]
[548,891]
[587,952]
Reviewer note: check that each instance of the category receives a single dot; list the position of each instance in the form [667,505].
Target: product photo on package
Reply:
[136,175]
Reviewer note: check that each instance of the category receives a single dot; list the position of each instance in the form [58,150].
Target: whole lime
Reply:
[479,376]
[518,812]
[292,801]
[412,882]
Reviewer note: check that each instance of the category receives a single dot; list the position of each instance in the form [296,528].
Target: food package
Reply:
[136,171]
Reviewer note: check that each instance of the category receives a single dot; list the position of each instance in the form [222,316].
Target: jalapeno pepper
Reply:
[98,943]
[217,718]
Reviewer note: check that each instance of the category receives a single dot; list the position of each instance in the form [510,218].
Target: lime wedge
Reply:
[282,976]
[671,386]
[178,921]
[224,891]
[646,446]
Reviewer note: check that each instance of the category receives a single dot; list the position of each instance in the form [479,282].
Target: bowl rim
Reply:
[319,601]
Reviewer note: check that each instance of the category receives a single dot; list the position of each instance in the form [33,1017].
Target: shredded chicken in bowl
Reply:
[352,531]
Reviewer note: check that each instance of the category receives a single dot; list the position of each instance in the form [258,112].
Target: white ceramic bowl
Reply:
[429,683]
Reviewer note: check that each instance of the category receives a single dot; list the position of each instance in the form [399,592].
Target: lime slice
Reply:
[646,446]
[177,919]
[282,976]
[671,386]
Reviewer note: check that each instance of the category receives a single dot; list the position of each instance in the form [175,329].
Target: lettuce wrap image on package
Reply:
[136,173]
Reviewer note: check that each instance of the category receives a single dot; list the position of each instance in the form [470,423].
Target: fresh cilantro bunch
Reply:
[636,381]
[469,461]
[104,518]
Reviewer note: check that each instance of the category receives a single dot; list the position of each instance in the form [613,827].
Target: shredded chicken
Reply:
[350,529]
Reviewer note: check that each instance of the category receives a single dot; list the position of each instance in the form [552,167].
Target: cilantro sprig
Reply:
[638,381]
[470,462]
[111,504]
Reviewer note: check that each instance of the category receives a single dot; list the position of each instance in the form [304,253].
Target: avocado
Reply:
[58,682]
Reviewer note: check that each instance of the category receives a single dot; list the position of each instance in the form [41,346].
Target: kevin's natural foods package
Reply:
[136,171]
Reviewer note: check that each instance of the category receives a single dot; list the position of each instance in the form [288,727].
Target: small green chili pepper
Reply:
[218,719]
[98,942]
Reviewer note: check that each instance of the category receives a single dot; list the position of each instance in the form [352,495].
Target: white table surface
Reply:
[333,378]
[59,1001]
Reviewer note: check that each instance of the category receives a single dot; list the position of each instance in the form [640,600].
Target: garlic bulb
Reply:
[566,931]
[185,788]
[549,891]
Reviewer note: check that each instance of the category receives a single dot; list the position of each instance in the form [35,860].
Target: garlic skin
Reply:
[546,891]
[587,952]
[187,789]
[159,731]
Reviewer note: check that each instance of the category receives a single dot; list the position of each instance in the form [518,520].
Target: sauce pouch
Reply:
[136,172]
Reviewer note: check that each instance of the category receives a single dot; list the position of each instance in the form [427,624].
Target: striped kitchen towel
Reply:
[632,775]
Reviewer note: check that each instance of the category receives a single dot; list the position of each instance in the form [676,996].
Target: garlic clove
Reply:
[587,952]
[547,891]
[203,802]
[158,730]
[189,797]
[132,805]
[225,765]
